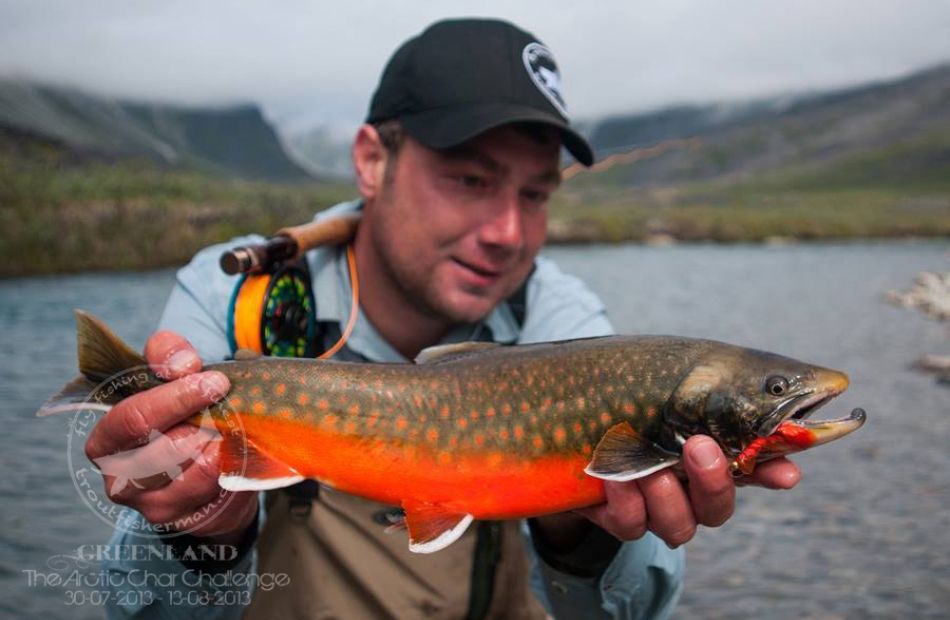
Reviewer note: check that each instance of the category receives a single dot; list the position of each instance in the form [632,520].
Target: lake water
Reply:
[865,534]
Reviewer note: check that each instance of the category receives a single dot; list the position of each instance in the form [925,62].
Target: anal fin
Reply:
[623,454]
[432,527]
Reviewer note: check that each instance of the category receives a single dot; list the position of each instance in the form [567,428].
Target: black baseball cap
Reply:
[462,77]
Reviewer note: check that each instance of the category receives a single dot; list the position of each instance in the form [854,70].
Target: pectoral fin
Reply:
[623,454]
[245,467]
[433,527]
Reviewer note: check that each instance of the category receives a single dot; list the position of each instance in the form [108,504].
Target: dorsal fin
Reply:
[244,355]
[445,352]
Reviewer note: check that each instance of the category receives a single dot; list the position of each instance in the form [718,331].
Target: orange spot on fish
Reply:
[285,413]
[454,441]
[462,423]
[354,410]
[372,419]
[259,407]
[323,405]
[444,458]
[606,418]
[578,428]
[236,402]
[280,389]
[350,427]
[586,449]
[330,420]
[432,434]
[474,414]
[401,423]
[519,432]
[303,399]
[444,412]
[265,376]
[545,404]
[479,440]
[503,434]
[629,408]
[581,402]
[256,390]
[560,435]
[490,412]
[537,441]
[651,412]
[417,400]
[525,406]
[506,409]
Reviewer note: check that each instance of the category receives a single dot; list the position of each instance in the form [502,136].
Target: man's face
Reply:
[457,231]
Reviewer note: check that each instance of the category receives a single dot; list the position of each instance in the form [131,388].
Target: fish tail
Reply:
[109,369]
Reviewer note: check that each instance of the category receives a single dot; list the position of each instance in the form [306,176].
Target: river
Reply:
[863,535]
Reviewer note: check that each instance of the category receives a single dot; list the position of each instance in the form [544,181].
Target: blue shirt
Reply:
[643,580]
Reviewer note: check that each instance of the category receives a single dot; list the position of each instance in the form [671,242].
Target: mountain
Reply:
[234,140]
[896,131]
[322,152]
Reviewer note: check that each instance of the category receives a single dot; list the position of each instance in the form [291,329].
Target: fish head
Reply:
[737,395]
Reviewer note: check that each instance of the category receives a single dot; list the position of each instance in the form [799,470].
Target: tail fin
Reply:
[103,357]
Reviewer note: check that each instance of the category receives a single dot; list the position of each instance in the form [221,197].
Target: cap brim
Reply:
[444,128]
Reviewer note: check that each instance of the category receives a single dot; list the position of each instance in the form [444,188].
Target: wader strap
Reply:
[301,497]
[484,562]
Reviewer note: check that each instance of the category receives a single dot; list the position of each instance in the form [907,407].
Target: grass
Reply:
[66,213]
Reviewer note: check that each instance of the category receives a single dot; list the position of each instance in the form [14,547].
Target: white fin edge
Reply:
[628,475]
[73,408]
[444,539]
[231,482]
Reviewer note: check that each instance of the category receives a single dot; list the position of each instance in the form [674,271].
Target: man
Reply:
[454,166]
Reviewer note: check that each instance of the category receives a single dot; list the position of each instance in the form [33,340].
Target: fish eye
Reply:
[776,386]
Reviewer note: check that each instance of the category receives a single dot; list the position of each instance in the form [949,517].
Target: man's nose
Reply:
[503,227]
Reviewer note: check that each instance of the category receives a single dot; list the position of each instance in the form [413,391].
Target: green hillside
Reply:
[64,210]
[234,140]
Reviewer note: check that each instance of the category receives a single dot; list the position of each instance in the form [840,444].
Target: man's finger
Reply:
[670,514]
[779,473]
[130,423]
[171,356]
[624,514]
[712,491]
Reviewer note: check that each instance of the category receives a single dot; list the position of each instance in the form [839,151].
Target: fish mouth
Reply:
[798,408]
[824,431]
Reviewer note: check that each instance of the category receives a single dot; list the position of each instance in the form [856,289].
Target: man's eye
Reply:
[472,181]
[535,196]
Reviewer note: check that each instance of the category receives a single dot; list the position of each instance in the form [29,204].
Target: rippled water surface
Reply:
[863,535]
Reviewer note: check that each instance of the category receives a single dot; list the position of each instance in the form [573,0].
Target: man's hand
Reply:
[149,428]
[660,503]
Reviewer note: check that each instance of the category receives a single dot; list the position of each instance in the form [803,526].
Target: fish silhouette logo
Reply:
[541,67]
[159,457]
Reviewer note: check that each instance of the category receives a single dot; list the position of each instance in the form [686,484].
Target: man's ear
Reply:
[369,161]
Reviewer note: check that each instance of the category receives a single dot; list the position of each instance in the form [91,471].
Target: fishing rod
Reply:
[288,245]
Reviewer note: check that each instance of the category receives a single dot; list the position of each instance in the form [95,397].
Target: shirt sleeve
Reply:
[637,579]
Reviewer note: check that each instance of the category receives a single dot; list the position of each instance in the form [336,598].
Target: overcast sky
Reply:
[309,62]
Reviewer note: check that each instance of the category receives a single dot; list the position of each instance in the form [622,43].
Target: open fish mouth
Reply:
[797,408]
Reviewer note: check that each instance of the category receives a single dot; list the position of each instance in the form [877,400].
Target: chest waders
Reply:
[335,548]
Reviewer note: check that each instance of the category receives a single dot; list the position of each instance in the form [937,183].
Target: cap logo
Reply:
[539,61]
